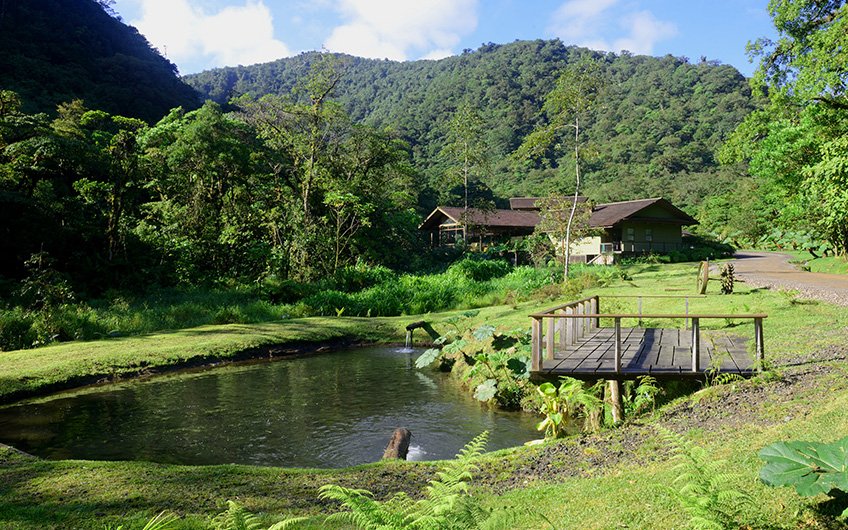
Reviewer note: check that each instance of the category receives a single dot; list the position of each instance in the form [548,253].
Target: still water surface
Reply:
[329,410]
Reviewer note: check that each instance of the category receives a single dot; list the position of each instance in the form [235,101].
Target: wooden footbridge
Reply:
[568,340]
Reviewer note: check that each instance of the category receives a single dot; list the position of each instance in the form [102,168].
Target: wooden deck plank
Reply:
[656,351]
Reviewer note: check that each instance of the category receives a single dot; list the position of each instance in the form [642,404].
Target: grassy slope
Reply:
[830,264]
[602,482]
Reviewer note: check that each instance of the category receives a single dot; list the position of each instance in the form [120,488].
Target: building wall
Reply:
[586,246]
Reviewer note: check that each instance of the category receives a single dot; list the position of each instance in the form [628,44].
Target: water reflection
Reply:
[330,410]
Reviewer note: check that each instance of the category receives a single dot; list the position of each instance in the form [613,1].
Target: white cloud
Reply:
[395,30]
[605,25]
[241,34]
[645,30]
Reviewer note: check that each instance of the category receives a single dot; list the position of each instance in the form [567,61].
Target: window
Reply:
[630,234]
[649,235]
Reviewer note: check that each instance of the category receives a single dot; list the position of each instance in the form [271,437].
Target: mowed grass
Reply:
[826,264]
[634,492]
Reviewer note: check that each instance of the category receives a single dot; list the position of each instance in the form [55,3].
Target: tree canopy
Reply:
[661,124]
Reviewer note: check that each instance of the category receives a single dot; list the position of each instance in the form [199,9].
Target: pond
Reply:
[329,410]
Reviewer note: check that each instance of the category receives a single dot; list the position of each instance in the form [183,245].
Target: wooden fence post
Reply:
[578,325]
[561,325]
[617,360]
[639,305]
[696,343]
[595,307]
[536,344]
[573,326]
[758,341]
[549,339]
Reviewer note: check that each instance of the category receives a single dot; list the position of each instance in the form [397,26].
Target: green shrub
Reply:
[15,330]
[480,270]
[286,291]
[327,302]
[355,278]
[228,315]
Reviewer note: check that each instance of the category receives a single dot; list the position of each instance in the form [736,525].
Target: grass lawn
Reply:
[616,479]
[829,264]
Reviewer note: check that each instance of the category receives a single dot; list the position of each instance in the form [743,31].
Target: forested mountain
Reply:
[55,51]
[661,118]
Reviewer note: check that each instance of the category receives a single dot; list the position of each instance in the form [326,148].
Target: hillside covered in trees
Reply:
[55,51]
[660,122]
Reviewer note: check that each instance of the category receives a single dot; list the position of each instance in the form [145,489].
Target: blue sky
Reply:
[201,34]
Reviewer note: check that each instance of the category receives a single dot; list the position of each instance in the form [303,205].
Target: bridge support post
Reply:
[758,342]
[696,344]
[617,360]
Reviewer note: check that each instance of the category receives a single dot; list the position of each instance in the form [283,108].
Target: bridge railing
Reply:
[567,324]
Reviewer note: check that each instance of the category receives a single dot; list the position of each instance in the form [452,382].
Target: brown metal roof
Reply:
[530,203]
[500,218]
[603,215]
[610,214]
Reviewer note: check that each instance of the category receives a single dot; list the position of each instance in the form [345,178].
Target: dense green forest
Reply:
[55,51]
[655,133]
[316,163]
[796,146]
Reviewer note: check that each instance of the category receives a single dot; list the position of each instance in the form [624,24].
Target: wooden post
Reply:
[617,360]
[549,339]
[696,346]
[758,341]
[613,397]
[578,325]
[569,337]
[686,320]
[587,322]
[595,307]
[639,305]
[561,324]
[536,344]
[573,325]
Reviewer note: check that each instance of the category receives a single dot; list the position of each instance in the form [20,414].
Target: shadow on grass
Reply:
[80,494]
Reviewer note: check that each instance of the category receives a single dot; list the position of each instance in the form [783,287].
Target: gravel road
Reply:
[773,270]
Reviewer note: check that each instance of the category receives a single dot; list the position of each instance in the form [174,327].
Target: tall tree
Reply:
[205,190]
[465,150]
[795,145]
[305,131]
[575,96]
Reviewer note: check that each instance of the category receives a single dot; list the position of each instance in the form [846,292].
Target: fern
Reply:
[703,490]
[161,521]
[236,518]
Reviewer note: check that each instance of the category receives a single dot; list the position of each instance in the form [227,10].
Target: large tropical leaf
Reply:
[811,467]
[484,332]
[519,366]
[427,358]
[486,390]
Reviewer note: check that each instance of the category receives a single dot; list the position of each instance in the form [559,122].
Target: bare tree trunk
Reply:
[398,445]
[574,200]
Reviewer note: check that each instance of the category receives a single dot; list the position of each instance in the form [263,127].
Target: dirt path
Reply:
[772,269]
